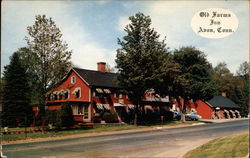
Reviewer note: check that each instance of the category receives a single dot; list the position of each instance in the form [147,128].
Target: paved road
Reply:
[172,142]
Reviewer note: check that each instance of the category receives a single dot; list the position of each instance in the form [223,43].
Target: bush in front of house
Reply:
[60,118]
[50,116]
[110,117]
[96,119]
[66,115]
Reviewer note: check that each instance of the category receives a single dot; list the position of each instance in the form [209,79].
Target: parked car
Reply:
[192,116]
[177,115]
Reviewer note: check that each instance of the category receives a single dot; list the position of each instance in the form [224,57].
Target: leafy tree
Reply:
[235,87]
[223,78]
[192,79]
[28,60]
[244,70]
[51,55]
[140,58]
[65,116]
[244,73]
[16,101]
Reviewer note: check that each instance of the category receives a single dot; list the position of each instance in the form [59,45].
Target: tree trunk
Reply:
[135,119]
[136,114]
[181,105]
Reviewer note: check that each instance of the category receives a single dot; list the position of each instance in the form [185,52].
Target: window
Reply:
[115,95]
[73,80]
[120,96]
[86,112]
[55,96]
[78,109]
[74,109]
[127,97]
[66,94]
[61,94]
[77,92]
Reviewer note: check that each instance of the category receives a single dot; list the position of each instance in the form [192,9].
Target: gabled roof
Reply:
[96,78]
[222,102]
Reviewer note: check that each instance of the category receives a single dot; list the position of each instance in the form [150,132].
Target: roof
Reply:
[222,102]
[98,79]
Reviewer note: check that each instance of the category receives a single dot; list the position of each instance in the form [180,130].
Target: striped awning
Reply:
[119,105]
[131,106]
[106,106]
[103,106]
[99,106]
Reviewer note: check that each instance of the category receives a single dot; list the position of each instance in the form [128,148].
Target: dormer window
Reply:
[66,94]
[73,80]
[116,95]
[120,96]
[77,92]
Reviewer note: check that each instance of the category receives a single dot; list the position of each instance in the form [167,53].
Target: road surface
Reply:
[172,142]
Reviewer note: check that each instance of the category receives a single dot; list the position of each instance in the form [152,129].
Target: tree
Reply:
[66,115]
[244,73]
[235,87]
[192,79]
[16,103]
[223,78]
[140,59]
[50,54]
[28,60]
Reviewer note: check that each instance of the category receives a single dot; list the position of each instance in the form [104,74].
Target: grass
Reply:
[96,129]
[226,147]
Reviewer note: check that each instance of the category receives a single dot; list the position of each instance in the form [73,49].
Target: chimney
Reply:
[101,66]
[224,94]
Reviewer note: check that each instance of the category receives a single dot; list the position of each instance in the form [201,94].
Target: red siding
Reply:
[204,110]
[54,107]
[68,85]
[78,118]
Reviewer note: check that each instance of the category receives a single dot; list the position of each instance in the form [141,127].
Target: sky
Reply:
[91,28]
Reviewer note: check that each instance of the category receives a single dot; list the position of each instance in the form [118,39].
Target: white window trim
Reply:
[116,96]
[77,88]
[73,79]
[120,96]
[67,90]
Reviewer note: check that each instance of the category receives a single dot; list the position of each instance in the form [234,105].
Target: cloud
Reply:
[123,21]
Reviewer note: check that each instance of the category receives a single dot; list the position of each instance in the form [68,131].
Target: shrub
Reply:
[66,115]
[50,116]
[60,118]
[110,117]
[96,119]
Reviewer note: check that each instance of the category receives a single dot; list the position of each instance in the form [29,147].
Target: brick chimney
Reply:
[101,66]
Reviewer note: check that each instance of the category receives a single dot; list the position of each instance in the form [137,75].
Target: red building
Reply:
[219,107]
[92,92]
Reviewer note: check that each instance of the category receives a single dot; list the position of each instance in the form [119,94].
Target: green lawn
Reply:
[226,147]
[96,129]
